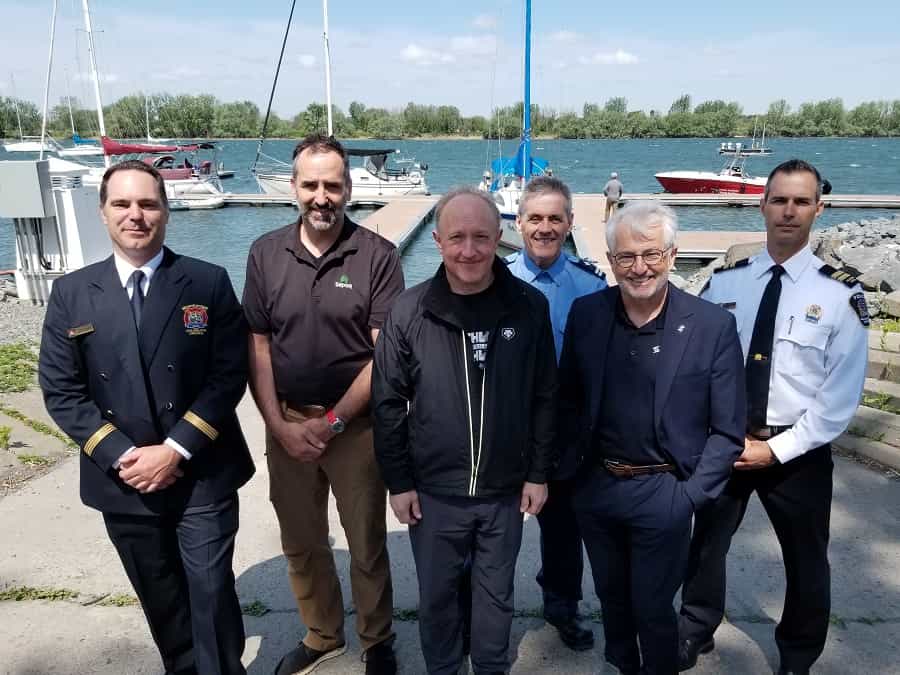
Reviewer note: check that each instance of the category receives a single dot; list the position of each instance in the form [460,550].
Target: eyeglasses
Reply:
[651,257]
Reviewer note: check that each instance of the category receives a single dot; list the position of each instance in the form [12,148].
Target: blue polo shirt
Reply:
[565,280]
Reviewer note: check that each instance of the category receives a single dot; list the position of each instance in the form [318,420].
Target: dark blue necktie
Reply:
[759,358]
[137,297]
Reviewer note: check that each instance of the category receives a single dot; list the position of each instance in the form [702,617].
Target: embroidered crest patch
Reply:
[813,313]
[858,303]
[196,319]
[508,333]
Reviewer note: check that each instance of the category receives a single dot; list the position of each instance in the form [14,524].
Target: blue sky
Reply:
[465,53]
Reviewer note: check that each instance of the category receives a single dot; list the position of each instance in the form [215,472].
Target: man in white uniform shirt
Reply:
[802,326]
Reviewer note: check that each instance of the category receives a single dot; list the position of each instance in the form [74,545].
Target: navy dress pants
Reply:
[797,499]
[562,553]
[180,568]
[637,532]
[488,532]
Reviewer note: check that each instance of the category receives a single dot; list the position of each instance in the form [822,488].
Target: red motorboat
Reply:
[732,178]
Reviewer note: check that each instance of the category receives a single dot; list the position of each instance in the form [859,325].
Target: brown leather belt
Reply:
[622,470]
[765,433]
[306,409]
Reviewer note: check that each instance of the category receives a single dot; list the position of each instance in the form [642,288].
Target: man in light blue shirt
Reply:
[544,219]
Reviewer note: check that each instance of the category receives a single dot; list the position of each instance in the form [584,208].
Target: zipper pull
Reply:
[790,325]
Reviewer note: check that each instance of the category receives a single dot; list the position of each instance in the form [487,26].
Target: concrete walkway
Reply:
[51,540]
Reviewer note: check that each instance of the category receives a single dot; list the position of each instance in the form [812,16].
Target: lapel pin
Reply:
[680,328]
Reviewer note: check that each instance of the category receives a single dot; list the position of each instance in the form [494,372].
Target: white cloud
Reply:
[485,22]
[306,60]
[564,36]
[617,58]
[422,56]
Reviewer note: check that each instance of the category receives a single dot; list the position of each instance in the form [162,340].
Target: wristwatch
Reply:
[336,423]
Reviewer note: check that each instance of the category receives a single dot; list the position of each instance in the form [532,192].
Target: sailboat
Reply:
[372,179]
[25,143]
[509,175]
[82,147]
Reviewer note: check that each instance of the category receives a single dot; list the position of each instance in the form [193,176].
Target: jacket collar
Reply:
[438,299]
[555,270]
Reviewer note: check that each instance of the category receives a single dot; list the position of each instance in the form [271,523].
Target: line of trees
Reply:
[204,116]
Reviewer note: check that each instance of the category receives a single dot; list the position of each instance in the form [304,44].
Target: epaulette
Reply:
[511,258]
[585,265]
[743,262]
[839,275]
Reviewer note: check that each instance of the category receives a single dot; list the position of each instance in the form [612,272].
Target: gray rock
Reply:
[891,305]
[741,251]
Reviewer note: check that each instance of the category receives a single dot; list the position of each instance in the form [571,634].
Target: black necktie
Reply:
[759,358]
[137,297]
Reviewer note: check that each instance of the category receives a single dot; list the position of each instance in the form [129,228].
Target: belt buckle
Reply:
[620,469]
[763,433]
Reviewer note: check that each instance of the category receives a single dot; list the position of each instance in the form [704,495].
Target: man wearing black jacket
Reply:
[463,391]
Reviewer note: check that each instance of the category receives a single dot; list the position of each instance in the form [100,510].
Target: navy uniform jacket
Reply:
[110,391]
[699,402]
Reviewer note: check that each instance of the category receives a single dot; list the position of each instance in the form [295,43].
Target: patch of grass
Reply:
[21,593]
[890,326]
[4,437]
[870,620]
[37,425]
[880,401]
[862,433]
[406,615]
[837,621]
[255,608]
[118,600]
[17,367]
[36,460]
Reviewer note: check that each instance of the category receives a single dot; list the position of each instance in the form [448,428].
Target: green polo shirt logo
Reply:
[343,282]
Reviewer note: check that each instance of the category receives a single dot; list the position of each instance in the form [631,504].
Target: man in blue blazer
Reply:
[652,413]
[143,360]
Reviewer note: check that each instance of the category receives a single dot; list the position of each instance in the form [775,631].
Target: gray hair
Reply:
[639,217]
[459,192]
[546,185]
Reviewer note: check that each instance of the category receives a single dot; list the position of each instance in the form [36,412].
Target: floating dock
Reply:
[589,235]
[400,218]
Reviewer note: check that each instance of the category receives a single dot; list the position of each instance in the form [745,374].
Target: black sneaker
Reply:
[380,659]
[304,659]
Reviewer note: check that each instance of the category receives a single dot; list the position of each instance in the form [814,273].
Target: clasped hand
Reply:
[304,441]
[150,468]
[756,455]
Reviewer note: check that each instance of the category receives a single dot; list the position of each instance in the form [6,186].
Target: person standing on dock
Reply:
[316,296]
[803,332]
[613,192]
[142,363]
[652,405]
[545,219]
[463,393]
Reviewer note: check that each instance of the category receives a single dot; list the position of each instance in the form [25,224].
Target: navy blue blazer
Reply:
[699,406]
[109,390]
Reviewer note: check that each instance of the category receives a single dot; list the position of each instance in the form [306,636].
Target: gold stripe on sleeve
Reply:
[97,437]
[205,428]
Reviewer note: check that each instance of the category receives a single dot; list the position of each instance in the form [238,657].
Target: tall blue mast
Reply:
[526,112]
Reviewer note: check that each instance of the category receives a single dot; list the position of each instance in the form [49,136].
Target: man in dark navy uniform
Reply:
[143,360]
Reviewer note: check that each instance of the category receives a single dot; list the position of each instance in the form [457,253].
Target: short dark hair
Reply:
[134,165]
[542,185]
[320,143]
[795,166]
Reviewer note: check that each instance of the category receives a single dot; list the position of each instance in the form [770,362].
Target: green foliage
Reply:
[37,461]
[880,401]
[5,433]
[118,600]
[17,367]
[28,114]
[37,425]
[20,593]
[255,608]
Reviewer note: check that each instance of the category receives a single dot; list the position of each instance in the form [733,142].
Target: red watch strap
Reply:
[332,418]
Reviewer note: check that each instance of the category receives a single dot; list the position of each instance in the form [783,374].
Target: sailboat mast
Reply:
[47,82]
[16,105]
[91,52]
[69,102]
[147,116]
[526,111]
[327,68]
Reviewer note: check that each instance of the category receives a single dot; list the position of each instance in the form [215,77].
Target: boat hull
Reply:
[699,182]
[280,184]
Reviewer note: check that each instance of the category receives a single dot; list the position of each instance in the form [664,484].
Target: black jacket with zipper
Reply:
[423,434]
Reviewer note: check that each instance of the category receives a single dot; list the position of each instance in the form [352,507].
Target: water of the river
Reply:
[854,166]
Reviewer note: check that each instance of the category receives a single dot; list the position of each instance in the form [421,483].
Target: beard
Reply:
[327,218]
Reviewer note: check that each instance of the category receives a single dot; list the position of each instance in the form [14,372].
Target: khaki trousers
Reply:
[611,206]
[299,493]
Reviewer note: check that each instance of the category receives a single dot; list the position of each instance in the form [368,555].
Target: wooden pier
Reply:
[589,235]
[401,218]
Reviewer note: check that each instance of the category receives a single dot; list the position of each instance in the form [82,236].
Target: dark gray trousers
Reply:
[453,529]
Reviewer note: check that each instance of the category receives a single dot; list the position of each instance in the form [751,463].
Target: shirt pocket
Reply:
[803,348]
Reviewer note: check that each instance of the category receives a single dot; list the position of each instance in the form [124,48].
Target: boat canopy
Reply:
[515,166]
[111,147]
[369,152]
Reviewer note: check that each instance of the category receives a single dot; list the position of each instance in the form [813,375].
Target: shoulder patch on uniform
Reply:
[839,275]
[858,303]
[586,265]
[743,262]
[511,258]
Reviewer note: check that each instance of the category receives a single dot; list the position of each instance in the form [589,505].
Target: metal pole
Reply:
[69,100]
[16,105]
[47,82]
[96,77]
[526,113]
[327,67]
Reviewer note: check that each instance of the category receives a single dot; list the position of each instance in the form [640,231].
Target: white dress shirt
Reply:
[125,269]
[820,350]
